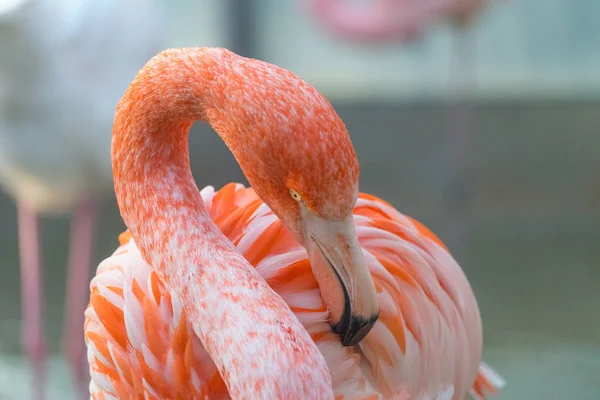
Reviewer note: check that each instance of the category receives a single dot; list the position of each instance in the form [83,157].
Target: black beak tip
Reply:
[352,329]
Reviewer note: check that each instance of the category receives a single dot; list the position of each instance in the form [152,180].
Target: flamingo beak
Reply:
[344,279]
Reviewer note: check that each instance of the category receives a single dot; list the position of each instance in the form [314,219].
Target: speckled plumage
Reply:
[426,343]
[181,296]
[151,162]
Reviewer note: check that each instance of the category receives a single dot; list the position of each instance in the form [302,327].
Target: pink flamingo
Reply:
[391,20]
[182,308]
[64,65]
[383,21]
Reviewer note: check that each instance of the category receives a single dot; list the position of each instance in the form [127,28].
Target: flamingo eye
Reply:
[295,195]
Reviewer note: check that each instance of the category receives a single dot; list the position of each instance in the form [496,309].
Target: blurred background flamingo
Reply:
[64,65]
[405,21]
[391,20]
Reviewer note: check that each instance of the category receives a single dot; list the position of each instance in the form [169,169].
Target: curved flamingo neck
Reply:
[257,344]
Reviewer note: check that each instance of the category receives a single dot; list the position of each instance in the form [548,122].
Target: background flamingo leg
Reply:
[458,185]
[31,295]
[77,297]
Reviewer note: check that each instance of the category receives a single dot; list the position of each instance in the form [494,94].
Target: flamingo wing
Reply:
[426,342]
[428,339]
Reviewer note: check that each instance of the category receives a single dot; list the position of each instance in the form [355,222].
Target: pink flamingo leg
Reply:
[80,262]
[31,295]
[459,175]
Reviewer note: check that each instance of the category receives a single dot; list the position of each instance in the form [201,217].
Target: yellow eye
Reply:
[295,195]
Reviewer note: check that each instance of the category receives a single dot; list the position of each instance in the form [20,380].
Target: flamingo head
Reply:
[315,197]
[296,153]
[336,255]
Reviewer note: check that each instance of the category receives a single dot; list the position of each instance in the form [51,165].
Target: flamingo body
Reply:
[307,295]
[425,345]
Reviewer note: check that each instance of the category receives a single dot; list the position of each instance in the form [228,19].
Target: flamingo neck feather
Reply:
[256,342]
